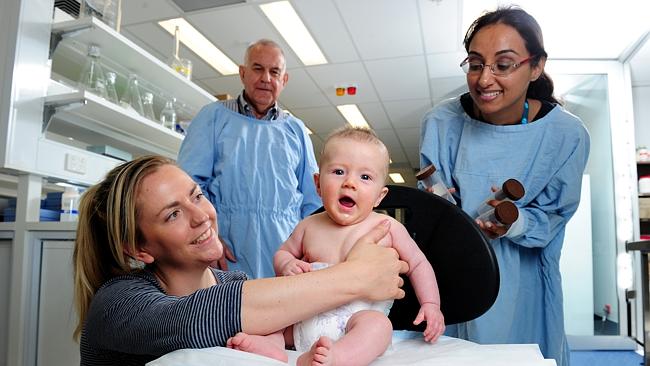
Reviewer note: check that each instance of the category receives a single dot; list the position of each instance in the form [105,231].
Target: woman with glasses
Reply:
[509,125]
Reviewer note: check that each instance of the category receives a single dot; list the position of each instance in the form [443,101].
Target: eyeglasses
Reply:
[500,68]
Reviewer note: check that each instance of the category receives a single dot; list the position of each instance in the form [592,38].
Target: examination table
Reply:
[468,279]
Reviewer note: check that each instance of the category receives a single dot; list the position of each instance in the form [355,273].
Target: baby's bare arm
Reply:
[287,260]
[420,272]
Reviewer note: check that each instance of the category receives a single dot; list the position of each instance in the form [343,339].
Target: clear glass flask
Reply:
[182,66]
[92,76]
[511,190]
[168,116]
[432,180]
[147,106]
[131,98]
[111,93]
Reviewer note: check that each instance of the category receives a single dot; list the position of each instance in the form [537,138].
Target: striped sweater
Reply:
[132,321]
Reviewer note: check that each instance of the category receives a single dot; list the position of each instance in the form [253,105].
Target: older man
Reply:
[255,162]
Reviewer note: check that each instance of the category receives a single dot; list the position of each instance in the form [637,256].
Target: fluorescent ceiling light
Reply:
[293,30]
[200,45]
[396,177]
[353,115]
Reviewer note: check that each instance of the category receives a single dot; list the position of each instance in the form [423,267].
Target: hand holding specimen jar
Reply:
[433,182]
[499,207]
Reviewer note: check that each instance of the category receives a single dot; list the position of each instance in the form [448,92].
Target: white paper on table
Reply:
[404,351]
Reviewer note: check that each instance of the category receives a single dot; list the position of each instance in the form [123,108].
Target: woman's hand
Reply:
[491,229]
[376,266]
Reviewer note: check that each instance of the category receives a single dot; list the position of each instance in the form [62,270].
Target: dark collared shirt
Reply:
[241,106]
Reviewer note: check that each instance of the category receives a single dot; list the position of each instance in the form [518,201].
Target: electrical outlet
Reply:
[75,163]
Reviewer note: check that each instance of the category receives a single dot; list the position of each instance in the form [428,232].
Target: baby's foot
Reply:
[259,345]
[320,354]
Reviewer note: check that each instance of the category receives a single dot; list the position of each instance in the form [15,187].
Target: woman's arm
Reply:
[370,272]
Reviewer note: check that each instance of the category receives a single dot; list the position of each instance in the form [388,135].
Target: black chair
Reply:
[463,260]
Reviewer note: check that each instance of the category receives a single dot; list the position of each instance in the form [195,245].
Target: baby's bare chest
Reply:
[332,245]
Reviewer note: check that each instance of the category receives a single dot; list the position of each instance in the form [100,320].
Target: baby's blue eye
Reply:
[338,171]
[365,177]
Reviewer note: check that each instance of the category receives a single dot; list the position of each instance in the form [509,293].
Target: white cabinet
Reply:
[5,277]
[56,315]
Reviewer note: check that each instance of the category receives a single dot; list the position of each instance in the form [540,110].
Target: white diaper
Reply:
[331,323]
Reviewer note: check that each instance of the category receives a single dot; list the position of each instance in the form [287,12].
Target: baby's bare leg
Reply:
[368,335]
[271,345]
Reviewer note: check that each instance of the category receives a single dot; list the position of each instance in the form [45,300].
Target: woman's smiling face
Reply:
[178,224]
[500,99]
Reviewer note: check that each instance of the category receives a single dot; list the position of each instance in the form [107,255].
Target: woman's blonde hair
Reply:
[107,228]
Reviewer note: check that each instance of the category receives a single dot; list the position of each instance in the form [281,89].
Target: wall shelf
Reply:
[79,33]
[84,116]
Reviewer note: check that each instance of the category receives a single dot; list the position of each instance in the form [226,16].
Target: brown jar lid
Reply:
[506,212]
[425,172]
[513,189]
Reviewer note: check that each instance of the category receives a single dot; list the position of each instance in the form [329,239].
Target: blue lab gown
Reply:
[548,156]
[259,176]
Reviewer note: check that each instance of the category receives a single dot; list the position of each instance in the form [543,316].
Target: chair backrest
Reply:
[463,260]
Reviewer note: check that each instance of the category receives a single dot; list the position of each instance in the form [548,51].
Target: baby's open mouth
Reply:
[347,202]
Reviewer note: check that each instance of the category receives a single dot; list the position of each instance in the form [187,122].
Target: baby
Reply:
[351,182]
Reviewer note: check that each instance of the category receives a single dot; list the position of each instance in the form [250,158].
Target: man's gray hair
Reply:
[268,43]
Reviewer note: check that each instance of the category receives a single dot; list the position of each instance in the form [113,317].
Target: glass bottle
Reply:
[147,105]
[131,98]
[92,76]
[432,180]
[111,93]
[511,190]
[180,65]
[168,115]
[505,213]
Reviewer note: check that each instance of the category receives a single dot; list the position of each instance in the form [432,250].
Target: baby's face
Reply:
[351,180]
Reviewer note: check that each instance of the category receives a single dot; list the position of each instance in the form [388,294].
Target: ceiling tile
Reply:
[327,77]
[301,91]
[407,113]
[388,137]
[383,28]
[224,85]
[449,87]
[411,72]
[446,64]
[322,19]
[441,25]
[375,115]
[233,28]
[321,120]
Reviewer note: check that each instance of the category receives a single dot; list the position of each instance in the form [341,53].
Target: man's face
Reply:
[263,77]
